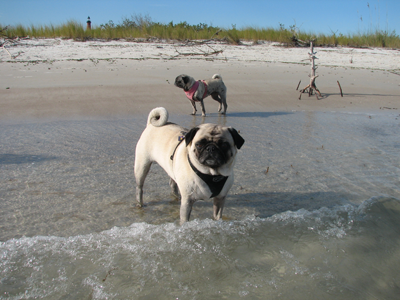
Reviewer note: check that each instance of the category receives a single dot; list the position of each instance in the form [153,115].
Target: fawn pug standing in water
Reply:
[196,91]
[199,162]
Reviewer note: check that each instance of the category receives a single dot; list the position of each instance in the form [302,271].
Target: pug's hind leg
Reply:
[223,100]
[218,207]
[141,171]
[174,188]
[217,98]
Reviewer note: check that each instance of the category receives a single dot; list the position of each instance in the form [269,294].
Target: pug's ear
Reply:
[190,135]
[239,141]
[186,79]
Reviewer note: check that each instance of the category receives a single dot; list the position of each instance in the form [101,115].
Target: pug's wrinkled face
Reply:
[183,81]
[213,145]
[213,150]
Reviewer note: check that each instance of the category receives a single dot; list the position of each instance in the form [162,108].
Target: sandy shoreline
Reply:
[67,80]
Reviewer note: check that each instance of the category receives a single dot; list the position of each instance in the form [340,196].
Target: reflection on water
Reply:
[297,223]
[22,159]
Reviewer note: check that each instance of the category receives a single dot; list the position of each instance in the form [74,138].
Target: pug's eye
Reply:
[199,146]
[224,146]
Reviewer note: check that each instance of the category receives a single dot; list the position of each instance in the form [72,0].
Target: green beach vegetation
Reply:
[142,27]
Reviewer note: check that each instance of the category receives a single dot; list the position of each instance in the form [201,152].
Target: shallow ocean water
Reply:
[314,213]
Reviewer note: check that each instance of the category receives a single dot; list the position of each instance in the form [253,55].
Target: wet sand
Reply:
[81,90]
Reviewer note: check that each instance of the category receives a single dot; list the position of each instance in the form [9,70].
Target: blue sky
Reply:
[316,16]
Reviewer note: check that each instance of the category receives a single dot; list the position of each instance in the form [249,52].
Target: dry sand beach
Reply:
[313,213]
[64,79]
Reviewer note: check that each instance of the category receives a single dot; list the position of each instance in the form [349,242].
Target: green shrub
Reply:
[139,26]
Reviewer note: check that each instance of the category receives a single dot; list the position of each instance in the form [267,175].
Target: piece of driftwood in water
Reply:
[312,86]
[341,93]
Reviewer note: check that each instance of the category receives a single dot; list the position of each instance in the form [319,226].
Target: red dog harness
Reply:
[190,93]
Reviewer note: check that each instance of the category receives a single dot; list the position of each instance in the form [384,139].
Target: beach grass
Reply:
[142,27]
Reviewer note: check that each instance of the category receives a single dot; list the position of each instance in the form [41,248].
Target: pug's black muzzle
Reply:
[212,156]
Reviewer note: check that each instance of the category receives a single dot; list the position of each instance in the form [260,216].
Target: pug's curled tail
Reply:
[217,76]
[158,117]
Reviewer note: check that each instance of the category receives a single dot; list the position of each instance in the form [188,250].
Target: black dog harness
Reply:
[214,182]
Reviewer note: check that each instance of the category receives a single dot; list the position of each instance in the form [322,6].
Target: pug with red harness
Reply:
[196,91]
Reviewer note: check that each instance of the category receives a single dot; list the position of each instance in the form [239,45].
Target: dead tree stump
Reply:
[312,86]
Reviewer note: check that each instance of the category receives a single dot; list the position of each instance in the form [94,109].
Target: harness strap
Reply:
[190,93]
[180,139]
[214,182]
[205,89]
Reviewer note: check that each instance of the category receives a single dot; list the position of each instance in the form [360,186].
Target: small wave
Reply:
[253,257]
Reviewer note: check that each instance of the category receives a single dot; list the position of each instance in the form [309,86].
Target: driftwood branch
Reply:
[196,46]
[298,86]
[7,51]
[312,86]
[6,40]
[218,31]
[341,93]
[204,42]
[199,53]
[3,45]
[299,43]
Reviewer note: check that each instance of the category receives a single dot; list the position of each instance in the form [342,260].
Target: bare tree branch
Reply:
[312,86]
